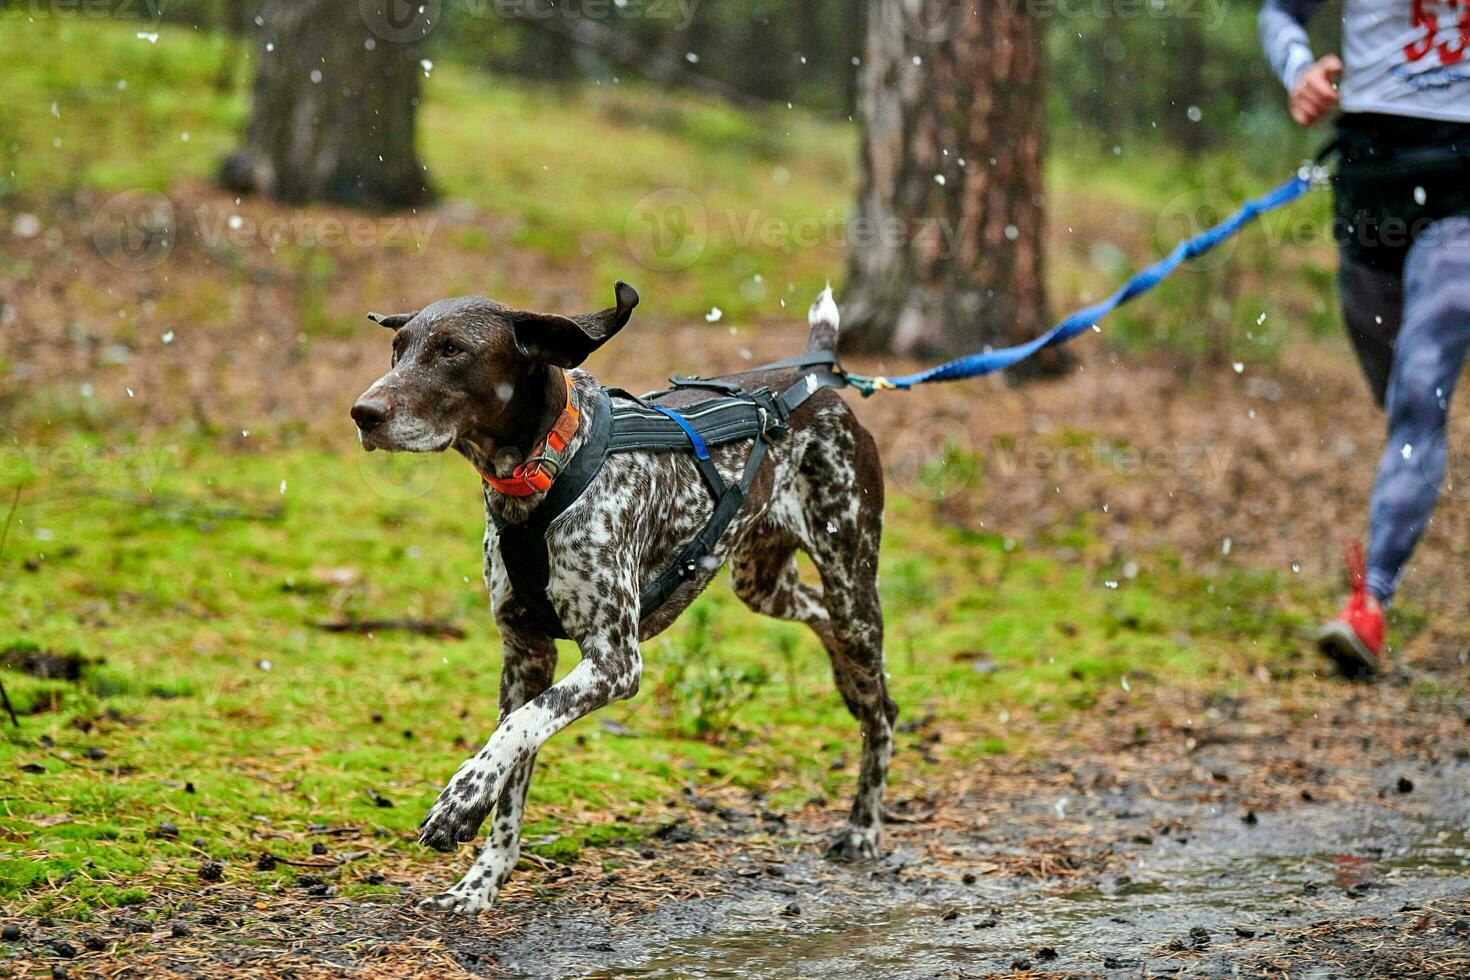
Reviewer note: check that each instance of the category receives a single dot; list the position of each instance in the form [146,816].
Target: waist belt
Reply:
[730,415]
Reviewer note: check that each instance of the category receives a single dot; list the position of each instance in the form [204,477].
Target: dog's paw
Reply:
[853,845]
[458,903]
[451,824]
[456,815]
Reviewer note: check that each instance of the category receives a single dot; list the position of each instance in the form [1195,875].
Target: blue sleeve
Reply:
[1283,27]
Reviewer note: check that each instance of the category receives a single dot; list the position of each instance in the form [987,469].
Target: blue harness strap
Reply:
[989,361]
[700,451]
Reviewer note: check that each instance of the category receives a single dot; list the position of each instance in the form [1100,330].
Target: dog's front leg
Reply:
[529,668]
[609,671]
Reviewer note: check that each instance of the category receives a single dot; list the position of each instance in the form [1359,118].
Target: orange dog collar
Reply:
[547,456]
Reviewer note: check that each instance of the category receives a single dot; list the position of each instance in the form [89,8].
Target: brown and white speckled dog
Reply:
[487,380]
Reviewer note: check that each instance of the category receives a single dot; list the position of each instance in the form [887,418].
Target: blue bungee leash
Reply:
[989,361]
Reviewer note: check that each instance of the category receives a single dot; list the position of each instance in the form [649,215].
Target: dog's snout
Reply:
[370,412]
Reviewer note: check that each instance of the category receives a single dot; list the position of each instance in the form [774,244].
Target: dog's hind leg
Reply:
[528,669]
[857,667]
[844,517]
[763,574]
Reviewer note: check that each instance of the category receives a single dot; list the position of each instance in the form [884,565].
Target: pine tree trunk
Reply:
[333,113]
[946,247]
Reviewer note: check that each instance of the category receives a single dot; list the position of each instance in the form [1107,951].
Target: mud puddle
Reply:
[1109,883]
[1212,892]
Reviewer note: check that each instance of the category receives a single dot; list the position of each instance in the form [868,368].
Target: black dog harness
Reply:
[731,414]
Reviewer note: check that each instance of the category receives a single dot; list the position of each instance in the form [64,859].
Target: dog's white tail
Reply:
[823,318]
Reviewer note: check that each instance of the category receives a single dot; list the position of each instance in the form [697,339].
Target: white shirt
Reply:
[1401,57]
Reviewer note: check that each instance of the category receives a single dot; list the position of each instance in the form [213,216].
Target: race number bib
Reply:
[1407,58]
[1436,35]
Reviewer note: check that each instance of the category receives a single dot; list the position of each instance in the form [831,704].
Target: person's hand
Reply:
[1315,92]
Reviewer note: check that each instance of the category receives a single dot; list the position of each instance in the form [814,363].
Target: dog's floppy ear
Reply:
[565,341]
[392,320]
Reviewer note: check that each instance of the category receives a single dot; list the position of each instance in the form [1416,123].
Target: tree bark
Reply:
[946,246]
[334,107]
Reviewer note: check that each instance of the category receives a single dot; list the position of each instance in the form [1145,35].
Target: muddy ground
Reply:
[1243,843]
[1296,828]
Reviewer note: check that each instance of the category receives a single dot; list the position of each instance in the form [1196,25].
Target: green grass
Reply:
[219,706]
[106,109]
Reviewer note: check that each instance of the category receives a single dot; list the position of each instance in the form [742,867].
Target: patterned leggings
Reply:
[1411,334]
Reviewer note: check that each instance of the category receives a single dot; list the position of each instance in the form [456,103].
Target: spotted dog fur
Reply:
[483,378]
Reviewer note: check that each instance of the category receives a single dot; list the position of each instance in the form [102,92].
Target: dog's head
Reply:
[473,369]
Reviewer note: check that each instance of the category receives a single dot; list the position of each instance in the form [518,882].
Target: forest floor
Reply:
[244,655]
[1144,860]
[1119,753]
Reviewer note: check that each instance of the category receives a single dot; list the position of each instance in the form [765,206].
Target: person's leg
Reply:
[1432,350]
[1426,360]
[1372,308]
[1430,353]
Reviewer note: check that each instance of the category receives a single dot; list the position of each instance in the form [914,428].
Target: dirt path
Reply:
[1258,838]
[1208,894]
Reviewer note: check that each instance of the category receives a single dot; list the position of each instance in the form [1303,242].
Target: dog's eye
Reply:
[450,349]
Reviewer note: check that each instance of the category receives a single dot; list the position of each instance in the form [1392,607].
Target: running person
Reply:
[1402,218]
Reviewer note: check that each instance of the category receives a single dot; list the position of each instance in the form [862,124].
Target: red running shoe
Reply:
[1354,640]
